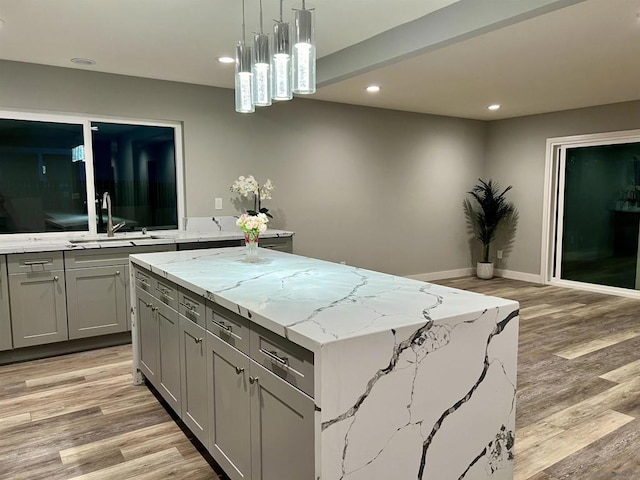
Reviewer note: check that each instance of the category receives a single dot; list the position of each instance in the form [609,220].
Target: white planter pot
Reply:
[484,270]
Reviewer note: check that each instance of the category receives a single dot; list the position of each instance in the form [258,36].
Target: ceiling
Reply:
[446,57]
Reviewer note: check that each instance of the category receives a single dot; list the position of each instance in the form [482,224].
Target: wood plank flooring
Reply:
[79,416]
[578,414]
[578,400]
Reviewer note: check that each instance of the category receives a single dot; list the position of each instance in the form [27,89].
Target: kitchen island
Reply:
[387,377]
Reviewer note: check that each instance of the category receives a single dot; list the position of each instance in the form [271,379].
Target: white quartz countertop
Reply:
[82,241]
[314,302]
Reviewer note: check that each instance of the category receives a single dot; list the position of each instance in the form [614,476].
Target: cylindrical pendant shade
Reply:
[281,62]
[243,79]
[261,70]
[304,54]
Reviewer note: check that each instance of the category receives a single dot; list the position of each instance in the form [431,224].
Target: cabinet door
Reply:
[5,319]
[96,301]
[148,336]
[169,327]
[193,366]
[229,408]
[282,445]
[38,308]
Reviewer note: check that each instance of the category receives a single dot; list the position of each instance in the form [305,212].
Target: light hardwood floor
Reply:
[79,417]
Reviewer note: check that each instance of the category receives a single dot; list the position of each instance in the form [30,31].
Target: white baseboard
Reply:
[525,277]
[427,277]
[466,272]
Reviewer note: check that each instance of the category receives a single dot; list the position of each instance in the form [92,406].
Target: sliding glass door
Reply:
[598,215]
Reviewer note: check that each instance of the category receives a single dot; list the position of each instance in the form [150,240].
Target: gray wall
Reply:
[379,189]
[515,154]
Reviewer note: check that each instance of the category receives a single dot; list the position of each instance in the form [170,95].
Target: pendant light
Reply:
[304,53]
[281,60]
[243,78]
[261,68]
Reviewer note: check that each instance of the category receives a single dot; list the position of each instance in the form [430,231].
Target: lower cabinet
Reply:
[160,347]
[193,369]
[6,342]
[38,308]
[248,405]
[97,301]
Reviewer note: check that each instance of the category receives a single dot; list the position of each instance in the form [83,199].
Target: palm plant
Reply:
[490,210]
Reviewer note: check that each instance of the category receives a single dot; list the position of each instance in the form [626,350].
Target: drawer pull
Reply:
[144,283]
[36,262]
[154,309]
[274,356]
[198,340]
[190,308]
[223,326]
[239,370]
[148,305]
[253,380]
[117,272]
[55,278]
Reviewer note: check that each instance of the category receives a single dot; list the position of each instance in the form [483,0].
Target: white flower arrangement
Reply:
[253,225]
[246,186]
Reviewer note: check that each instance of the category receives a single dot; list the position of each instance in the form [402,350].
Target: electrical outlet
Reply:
[218,204]
[499,253]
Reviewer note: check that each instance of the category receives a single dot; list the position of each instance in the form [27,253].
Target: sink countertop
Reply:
[37,243]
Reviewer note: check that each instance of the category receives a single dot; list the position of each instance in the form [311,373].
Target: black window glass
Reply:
[42,177]
[136,164]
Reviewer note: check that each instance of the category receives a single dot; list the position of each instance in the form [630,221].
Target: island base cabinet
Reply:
[97,301]
[282,436]
[38,308]
[229,408]
[193,365]
[148,338]
[169,329]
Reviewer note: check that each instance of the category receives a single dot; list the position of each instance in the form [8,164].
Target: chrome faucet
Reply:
[111,228]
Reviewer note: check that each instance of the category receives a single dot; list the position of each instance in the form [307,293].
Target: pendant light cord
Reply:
[281,2]
[261,29]
[244,34]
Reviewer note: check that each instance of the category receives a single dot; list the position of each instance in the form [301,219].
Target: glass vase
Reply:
[251,242]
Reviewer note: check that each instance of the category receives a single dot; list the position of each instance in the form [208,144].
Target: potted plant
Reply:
[488,211]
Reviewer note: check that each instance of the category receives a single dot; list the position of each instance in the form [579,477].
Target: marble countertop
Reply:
[314,302]
[82,241]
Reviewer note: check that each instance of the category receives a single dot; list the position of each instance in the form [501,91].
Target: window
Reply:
[50,165]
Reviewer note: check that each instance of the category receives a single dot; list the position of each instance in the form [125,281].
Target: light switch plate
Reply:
[218,204]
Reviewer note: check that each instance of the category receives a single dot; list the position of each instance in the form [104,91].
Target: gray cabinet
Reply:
[6,342]
[229,408]
[282,446]
[148,337]
[169,343]
[193,370]
[38,300]
[97,301]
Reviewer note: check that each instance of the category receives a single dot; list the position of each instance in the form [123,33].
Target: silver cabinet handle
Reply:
[198,340]
[141,280]
[154,309]
[117,272]
[274,356]
[222,325]
[164,292]
[148,305]
[36,262]
[253,380]
[239,370]
[190,308]
[55,278]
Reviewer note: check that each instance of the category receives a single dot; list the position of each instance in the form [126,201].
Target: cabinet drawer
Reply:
[165,290]
[35,262]
[97,257]
[142,279]
[228,326]
[282,244]
[289,361]
[191,306]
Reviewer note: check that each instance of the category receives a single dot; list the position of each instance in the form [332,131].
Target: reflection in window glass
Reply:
[602,215]
[42,177]
[136,164]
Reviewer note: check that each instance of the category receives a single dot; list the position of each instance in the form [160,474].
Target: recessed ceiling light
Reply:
[495,106]
[83,61]
[373,88]
[226,59]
